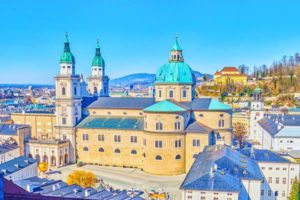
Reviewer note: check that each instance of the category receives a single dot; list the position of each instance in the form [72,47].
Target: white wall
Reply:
[286,143]
[24,173]
[9,155]
[208,195]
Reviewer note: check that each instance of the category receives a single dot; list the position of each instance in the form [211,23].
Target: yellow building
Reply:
[230,75]
[160,135]
[242,118]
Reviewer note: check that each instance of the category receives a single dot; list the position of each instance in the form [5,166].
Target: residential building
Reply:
[8,151]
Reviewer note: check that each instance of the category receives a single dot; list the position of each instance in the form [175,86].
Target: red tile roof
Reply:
[230,69]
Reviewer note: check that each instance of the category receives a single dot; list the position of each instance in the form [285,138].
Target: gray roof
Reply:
[58,188]
[10,129]
[6,147]
[286,119]
[263,155]
[221,168]
[197,127]
[269,125]
[86,101]
[16,164]
[122,103]
[198,104]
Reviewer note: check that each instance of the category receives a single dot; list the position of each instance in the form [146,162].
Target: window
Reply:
[270,179]
[221,123]
[171,94]
[117,138]
[158,144]
[159,126]
[95,90]
[283,193]
[64,120]
[159,93]
[196,143]
[101,138]
[85,136]
[85,148]
[63,91]
[200,115]
[262,193]
[269,192]
[133,151]
[277,181]
[184,93]
[178,157]
[158,157]
[284,181]
[177,125]
[117,151]
[177,143]
[75,91]
[101,149]
[133,139]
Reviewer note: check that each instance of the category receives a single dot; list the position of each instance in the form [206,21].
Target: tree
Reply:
[82,178]
[295,192]
[239,133]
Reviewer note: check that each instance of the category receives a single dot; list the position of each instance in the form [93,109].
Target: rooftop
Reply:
[16,164]
[11,129]
[221,168]
[165,106]
[269,125]
[196,127]
[289,131]
[263,155]
[6,147]
[123,123]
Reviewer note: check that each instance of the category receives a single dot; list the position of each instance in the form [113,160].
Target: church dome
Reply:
[98,60]
[67,56]
[175,71]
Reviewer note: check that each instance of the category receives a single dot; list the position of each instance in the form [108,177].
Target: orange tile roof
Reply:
[230,69]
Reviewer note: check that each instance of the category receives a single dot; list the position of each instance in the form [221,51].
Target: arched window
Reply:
[63,91]
[85,148]
[95,90]
[117,151]
[178,157]
[101,149]
[133,151]
[158,157]
[159,126]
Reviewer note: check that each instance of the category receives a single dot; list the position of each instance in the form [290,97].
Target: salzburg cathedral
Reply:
[160,135]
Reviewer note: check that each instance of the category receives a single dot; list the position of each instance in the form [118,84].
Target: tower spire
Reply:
[176,52]
[67,56]
[98,60]
[67,43]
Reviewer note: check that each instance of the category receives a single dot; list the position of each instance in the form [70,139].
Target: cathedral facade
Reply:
[160,135]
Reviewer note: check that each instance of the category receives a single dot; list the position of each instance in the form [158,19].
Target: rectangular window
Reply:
[277,181]
[284,181]
[270,180]
[158,144]
[184,93]
[269,192]
[171,93]
[262,193]
[196,143]
[117,138]
[85,136]
[64,121]
[101,138]
[133,139]
[159,93]
[177,143]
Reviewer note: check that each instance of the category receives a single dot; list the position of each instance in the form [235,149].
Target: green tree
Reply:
[294,195]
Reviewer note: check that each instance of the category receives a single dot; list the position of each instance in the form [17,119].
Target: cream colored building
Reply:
[230,75]
[242,118]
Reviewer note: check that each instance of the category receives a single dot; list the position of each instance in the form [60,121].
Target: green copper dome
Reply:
[98,60]
[176,71]
[67,56]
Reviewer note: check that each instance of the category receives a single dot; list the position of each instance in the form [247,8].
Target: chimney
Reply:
[87,192]
[54,187]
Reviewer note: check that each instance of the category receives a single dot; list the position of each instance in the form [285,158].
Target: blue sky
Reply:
[136,35]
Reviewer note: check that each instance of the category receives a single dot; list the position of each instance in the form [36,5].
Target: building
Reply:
[17,133]
[19,168]
[168,130]
[220,172]
[279,173]
[230,75]
[242,118]
[8,151]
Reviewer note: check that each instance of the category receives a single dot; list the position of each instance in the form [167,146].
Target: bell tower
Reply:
[68,99]
[97,81]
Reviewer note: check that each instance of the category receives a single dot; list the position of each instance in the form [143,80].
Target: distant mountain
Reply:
[142,79]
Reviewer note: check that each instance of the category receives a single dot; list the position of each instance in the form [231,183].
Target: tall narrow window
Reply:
[171,93]
[133,139]
[159,93]
[75,91]
[159,126]
[85,136]
[221,123]
[63,91]
[117,138]
[95,90]
[177,125]
[158,144]
[196,143]
[64,120]
[184,93]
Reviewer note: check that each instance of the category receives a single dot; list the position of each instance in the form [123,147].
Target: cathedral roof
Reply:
[175,71]
[67,56]
[165,106]
[98,60]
